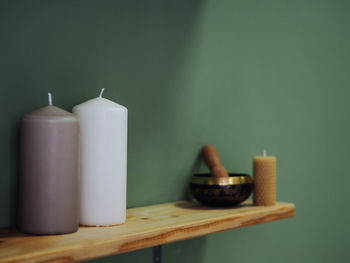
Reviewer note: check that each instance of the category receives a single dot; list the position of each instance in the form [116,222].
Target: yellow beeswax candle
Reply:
[264,171]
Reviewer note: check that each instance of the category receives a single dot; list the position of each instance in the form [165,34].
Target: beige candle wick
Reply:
[50,98]
[265,154]
[102,90]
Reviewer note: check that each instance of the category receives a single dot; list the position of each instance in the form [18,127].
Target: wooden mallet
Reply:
[211,158]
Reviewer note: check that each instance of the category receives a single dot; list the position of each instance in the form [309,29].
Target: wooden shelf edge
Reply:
[145,227]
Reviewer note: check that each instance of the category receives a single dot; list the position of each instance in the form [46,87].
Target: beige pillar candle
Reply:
[264,171]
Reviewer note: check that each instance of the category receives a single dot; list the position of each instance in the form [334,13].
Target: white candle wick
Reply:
[50,98]
[265,153]
[102,90]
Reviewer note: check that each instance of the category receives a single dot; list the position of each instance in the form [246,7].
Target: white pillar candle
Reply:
[103,126]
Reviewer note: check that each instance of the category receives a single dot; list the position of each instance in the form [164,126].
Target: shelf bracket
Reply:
[157,254]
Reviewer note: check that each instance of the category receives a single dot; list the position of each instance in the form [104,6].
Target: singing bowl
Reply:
[221,191]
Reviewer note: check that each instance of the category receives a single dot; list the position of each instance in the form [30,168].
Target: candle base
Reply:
[47,233]
[102,225]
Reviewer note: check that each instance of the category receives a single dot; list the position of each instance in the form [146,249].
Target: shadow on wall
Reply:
[196,167]
[134,49]
[191,250]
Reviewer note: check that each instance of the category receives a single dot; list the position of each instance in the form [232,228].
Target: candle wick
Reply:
[264,152]
[50,98]
[102,90]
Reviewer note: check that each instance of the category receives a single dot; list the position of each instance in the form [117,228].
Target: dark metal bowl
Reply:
[222,191]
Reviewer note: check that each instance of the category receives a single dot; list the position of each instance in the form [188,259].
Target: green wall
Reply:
[241,75]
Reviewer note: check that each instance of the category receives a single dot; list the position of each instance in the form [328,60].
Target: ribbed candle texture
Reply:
[264,171]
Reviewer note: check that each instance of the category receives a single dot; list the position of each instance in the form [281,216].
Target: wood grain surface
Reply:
[145,227]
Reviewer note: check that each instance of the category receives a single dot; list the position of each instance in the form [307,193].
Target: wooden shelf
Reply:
[145,227]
